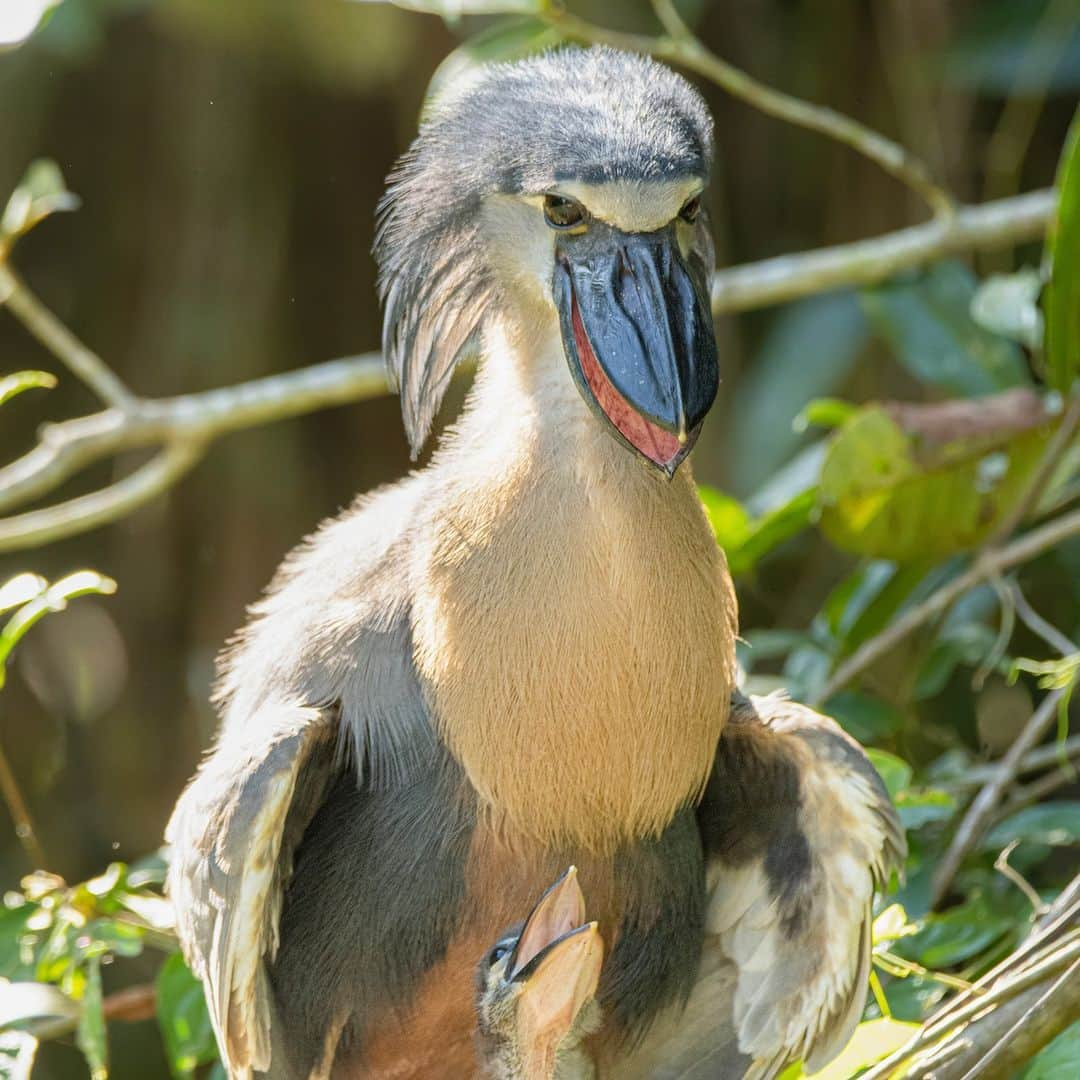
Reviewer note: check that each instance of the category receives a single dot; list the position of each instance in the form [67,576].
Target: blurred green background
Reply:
[230,155]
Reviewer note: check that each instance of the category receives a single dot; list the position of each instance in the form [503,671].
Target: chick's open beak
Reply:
[638,334]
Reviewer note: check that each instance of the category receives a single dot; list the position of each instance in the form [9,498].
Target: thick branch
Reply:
[866,262]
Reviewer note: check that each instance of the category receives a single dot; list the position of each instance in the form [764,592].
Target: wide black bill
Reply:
[638,334]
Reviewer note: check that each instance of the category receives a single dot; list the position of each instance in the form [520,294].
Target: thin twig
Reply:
[1040,758]
[20,814]
[982,807]
[985,566]
[687,51]
[61,342]
[1007,870]
[1035,486]
[100,507]
[1038,625]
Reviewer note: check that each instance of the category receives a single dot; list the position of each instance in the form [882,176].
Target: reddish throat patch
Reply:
[654,442]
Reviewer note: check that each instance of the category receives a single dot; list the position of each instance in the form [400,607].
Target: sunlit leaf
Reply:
[747,540]
[1008,304]
[54,598]
[1059,1059]
[41,192]
[891,924]
[1062,298]
[873,1040]
[824,412]
[15,384]
[21,589]
[90,1034]
[454,9]
[886,494]
[1056,824]
[895,772]
[183,1018]
[927,321]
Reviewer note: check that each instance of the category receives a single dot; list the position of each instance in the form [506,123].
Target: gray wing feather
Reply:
[793,914]
[232,835]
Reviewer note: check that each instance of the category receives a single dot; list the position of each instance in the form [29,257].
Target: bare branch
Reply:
[981,810]
[60,341]
[685,50]
[987,565]
[866,262]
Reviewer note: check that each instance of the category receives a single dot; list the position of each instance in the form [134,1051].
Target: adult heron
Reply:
[521,657]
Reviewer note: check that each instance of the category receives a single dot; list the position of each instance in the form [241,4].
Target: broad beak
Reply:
[638,334]
[557,961]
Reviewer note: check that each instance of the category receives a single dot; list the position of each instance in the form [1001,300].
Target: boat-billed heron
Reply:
[521,657]
[535,991]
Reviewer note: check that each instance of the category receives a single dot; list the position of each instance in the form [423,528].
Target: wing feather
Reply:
[799,831]
[232,835]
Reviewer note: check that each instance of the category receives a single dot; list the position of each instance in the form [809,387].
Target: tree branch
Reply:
[867,262]
[987,565]
[982,807]
[59,340]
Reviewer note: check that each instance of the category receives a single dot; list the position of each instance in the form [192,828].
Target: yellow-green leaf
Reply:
[13,385]
[1062,297]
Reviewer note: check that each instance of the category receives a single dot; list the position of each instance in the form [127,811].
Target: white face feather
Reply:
[521,245]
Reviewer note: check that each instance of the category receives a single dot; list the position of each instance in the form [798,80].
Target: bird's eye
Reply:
[499,952]
[691,209]
[563,213]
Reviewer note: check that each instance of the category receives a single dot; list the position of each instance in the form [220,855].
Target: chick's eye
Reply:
[691,209]
[498,953]
[563,213]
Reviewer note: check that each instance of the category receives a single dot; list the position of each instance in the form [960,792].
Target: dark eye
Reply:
[563,213]
[499,952]
[691,209]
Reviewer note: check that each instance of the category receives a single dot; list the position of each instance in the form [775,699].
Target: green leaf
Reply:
[15,384]
[747,540]
[41,192]
[921,807]
[90,1034]
[1062,299]
[20,590]
[54,598]
[824,412]
[872,1040]
[183,1018]
[1008,305]
[509,39]
[885,494]
[1059,1059]
[863,717]
[927,322]
[959,934]
[967,643]
[894,771]
[1056,824]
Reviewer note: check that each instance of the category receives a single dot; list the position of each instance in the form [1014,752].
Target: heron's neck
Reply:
[576,624]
